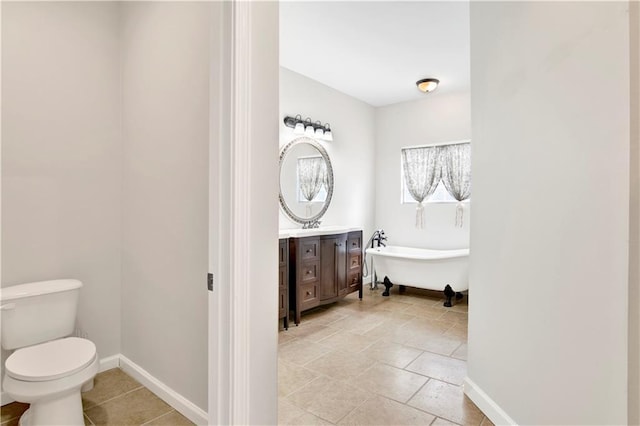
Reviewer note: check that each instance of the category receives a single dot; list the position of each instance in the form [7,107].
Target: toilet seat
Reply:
[51,360]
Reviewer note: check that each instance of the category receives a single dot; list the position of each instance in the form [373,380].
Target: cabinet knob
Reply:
[308,272]
[308,293]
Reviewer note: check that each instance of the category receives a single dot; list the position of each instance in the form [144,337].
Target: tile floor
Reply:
[116,399]
[397,360]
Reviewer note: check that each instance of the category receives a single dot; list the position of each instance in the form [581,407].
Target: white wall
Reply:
[634,220]
[351,152]
[62,155]
[105,172]
[165,200]
[549,231]
[440,117]
[262,340]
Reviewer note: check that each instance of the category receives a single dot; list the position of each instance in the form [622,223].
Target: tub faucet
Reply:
[379,238]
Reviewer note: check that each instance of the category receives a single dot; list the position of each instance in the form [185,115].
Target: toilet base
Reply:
[24,418]
[65,410]
[54,402]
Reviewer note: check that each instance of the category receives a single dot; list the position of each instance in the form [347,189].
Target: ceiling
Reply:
[376,51]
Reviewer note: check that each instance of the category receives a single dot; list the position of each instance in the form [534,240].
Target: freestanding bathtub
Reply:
[422,268]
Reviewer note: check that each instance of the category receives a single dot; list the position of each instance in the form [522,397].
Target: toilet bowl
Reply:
[47,369]
[49,376]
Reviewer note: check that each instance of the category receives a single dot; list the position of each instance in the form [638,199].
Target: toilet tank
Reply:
[38,312]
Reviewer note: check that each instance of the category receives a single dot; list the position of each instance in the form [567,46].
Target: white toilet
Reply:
[47,369]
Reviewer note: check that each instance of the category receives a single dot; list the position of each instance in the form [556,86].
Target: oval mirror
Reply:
[306,180]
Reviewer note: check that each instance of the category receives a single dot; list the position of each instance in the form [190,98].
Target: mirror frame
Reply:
[283,153]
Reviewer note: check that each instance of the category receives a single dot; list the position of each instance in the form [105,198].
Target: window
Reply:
[440,194]
[427,164]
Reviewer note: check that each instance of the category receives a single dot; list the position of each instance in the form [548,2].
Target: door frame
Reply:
[243,214]
[231,383]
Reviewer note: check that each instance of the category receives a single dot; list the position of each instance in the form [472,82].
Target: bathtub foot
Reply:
[387,285]
[448,293]
[402,288]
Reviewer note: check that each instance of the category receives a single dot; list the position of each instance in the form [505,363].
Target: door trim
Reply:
[243,231]
[240,208]
[219,379]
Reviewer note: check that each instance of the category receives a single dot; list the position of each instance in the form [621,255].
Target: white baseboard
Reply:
[109,362]
[164,392]
[487,405]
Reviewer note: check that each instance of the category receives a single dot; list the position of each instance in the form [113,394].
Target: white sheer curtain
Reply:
[325,176]
[311,177]
[421,175]
[455,161]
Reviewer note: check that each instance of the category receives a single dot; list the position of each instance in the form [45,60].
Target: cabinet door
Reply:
[328,284]
[333,272]
[341,266]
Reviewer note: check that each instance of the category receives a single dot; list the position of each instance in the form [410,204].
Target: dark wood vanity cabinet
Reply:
[354,262]
[333,255]
[283,281]
[304,274]
[323,269]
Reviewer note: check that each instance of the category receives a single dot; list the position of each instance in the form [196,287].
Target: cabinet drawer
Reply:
[310,248]
[283,252]
[283,303]
[355,262]
[354,242]
[309,271]
[354,279]
[282,277]
[308,296]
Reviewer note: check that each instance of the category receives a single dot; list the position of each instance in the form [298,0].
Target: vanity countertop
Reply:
[323,230]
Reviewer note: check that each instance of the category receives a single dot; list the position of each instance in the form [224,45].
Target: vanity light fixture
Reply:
[308,131]
[308,128]
[299,126]
[327,133]
[427,85]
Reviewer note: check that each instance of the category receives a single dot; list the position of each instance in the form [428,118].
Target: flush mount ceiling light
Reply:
[427,85]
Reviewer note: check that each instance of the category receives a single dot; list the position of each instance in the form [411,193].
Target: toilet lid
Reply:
[51,360]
